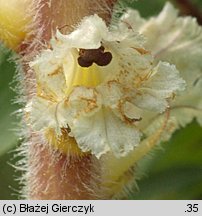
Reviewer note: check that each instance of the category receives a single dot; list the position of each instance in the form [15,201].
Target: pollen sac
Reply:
[89,56]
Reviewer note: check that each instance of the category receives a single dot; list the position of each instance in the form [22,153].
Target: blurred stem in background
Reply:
[42,178]
[187,7]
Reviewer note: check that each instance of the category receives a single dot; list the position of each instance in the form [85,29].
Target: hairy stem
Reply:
[50,173]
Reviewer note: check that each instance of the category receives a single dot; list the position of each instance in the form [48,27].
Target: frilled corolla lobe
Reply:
[100,104]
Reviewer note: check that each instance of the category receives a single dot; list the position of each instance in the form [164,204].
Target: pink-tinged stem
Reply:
[51,174]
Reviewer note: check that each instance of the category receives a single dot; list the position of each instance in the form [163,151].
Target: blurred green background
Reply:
[173,172]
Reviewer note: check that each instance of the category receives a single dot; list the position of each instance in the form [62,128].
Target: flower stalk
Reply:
[63,174]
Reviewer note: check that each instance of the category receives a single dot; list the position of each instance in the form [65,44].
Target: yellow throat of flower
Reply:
[88,77]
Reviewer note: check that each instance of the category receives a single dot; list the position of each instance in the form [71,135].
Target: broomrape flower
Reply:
[98,82]
[106,95]
[177,40]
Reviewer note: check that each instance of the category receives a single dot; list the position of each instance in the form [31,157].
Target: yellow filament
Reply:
[64,143]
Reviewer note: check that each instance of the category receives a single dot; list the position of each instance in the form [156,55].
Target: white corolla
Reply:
[103,82]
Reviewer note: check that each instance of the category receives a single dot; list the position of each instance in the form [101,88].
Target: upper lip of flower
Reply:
[95,102]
